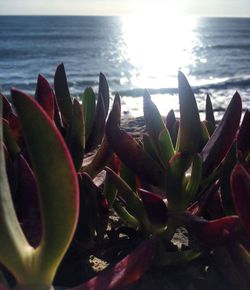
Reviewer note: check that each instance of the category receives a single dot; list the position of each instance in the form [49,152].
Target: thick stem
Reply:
[33,287]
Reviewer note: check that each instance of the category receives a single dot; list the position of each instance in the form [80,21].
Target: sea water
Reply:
[135,53]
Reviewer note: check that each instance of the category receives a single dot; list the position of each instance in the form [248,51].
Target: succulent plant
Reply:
[181,168]
[46,194]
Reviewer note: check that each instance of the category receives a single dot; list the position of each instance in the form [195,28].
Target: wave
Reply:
[236,83]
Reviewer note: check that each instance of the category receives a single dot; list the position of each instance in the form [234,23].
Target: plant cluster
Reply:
[184,173]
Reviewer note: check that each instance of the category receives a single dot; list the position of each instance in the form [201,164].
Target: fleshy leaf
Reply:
[14,247]
[240,183]
[190,128]
[104,92]
[212,233]
[9,140]
[15,127]
[210,115]
[133,202]
[176,258]
[130,152]
[156,127]
[124,273]
[88,211]
[7,109]
[173,126]
[243,138]
[98,127]
[155,207]
[57,183]
[100,160]
[28,211]
[175,175]
[221,141]
[62,94]
[75,138]
[195,178]
[44,95]
[89,107]
[110,190]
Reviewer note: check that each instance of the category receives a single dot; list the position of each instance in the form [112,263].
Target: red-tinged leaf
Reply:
[9,140]
[212,233]
[222,139]
[240,183]
[155,128]
[62,94]
[104,92]
[130,152]
[15,126]
[155,207]
[190,128]
[200,206]
[44,95]
[57,182]
[100,160]
[7,109]
[243,138]
[124,273]
[75,138]
[210,115]
[27,203]
[98,128]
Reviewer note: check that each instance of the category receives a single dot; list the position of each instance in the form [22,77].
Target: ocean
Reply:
[134,53]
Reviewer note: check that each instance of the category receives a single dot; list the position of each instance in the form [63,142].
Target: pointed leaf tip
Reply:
[45,96]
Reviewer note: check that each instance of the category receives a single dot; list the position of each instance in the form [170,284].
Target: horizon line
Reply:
[121,15]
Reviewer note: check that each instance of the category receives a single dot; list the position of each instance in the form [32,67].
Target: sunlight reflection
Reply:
[158,47]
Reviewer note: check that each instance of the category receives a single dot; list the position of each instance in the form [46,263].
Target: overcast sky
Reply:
[117,7]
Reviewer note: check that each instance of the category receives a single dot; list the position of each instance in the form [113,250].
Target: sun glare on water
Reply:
[158,41]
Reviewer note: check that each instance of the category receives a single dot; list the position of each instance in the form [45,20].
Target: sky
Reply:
[227,8]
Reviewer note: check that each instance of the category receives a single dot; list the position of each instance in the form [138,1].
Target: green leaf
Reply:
[155,126]
[104,92]
[166,149]
[175,178]
[58,188]
[75,138]
[14,248]
[190,128]
[195,178]
[133,202]
[125,216]
[98,127]
[86,226]
[62,94]
[89,107]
